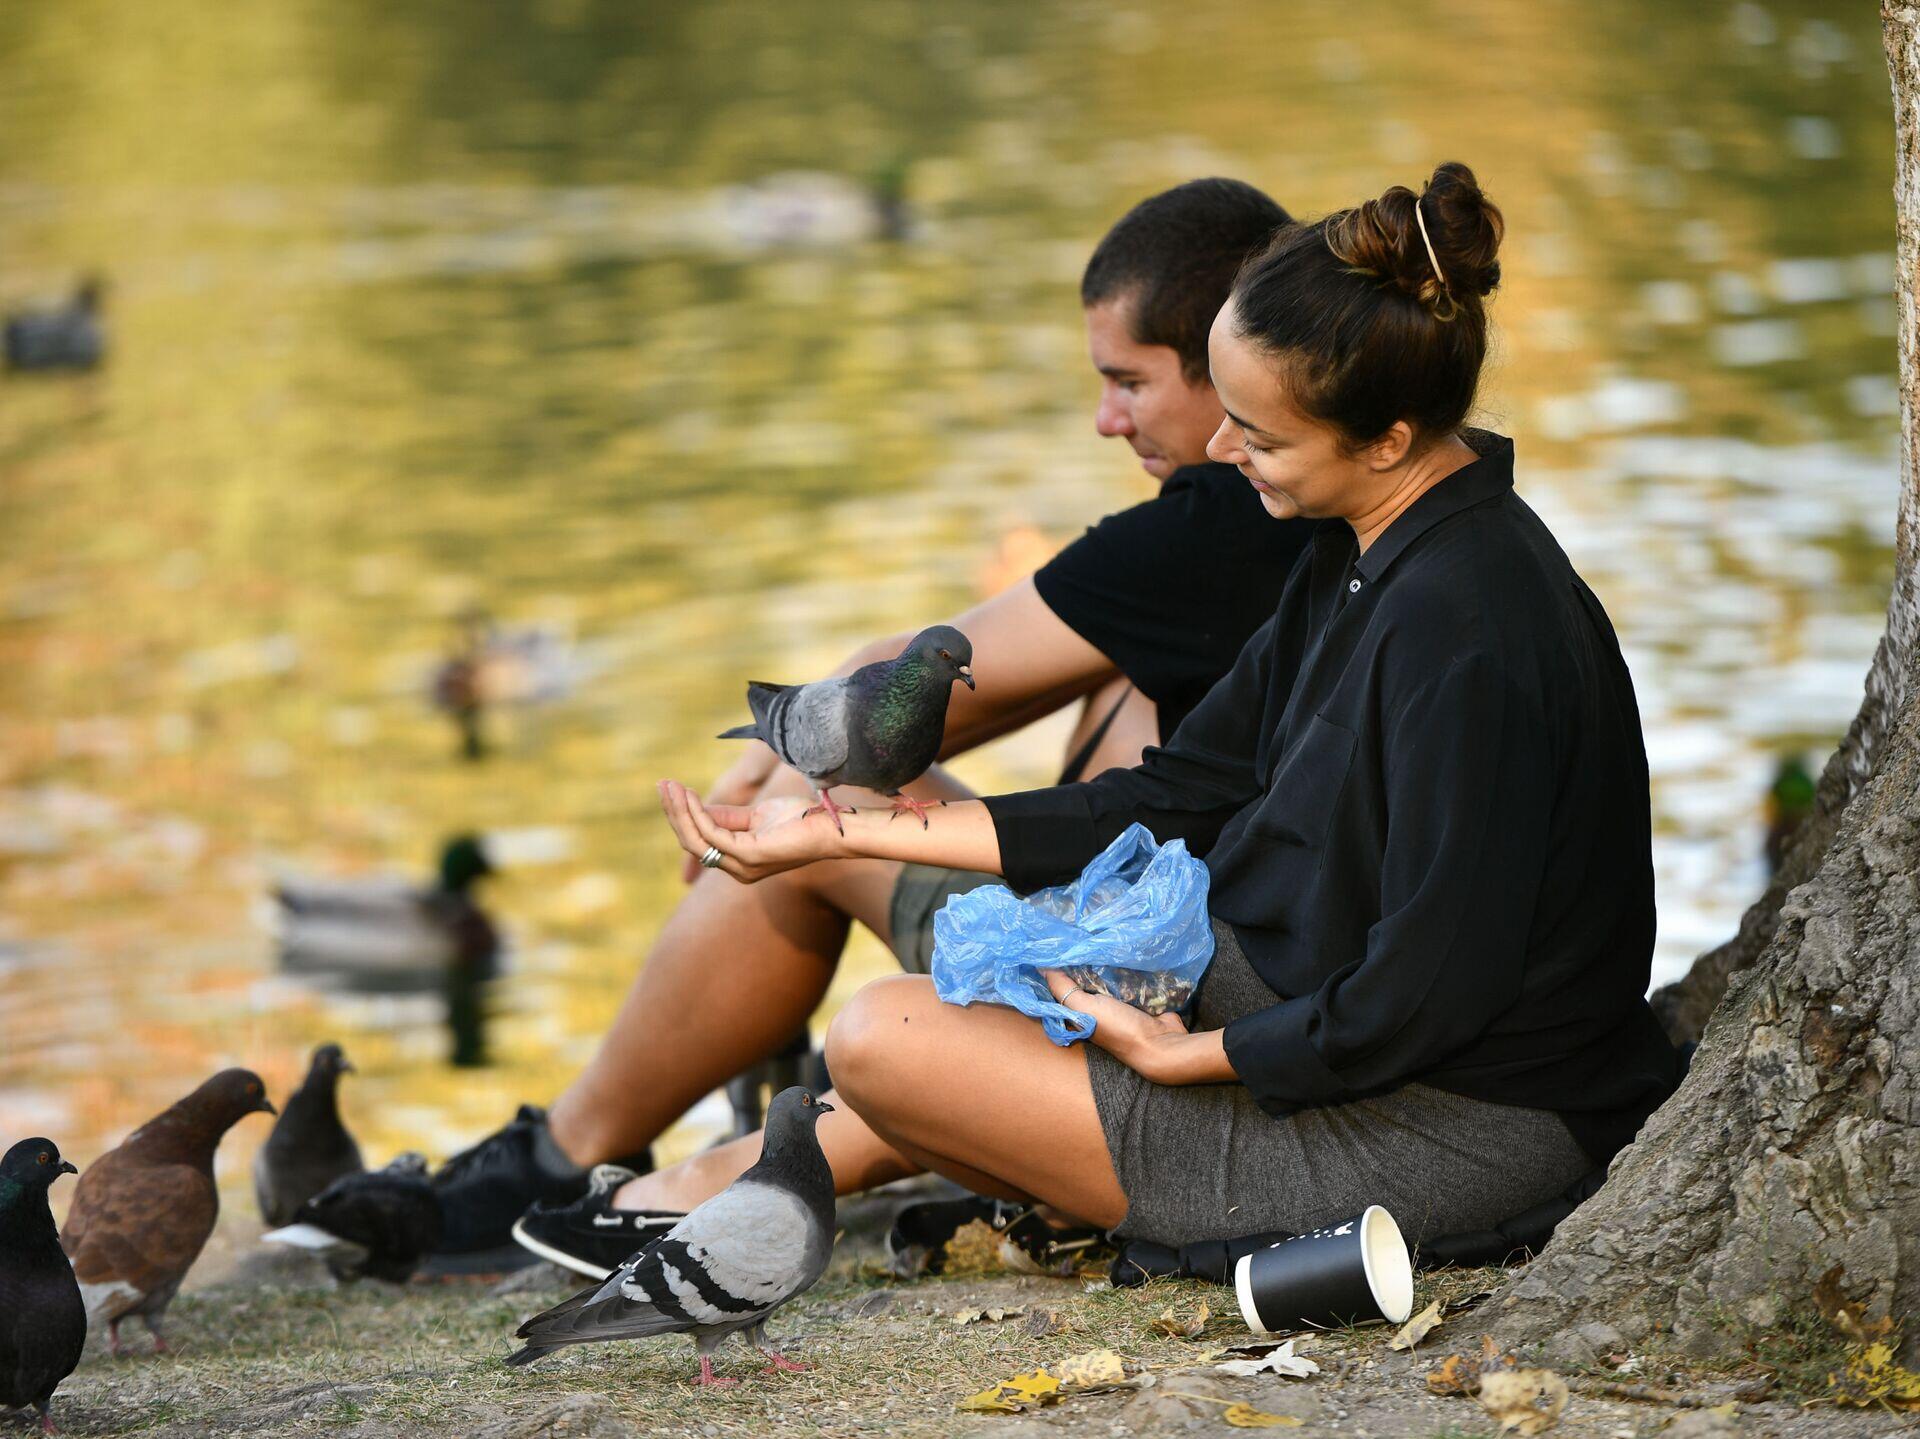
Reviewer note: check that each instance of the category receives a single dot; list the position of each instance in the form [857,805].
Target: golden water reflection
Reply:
[581,313]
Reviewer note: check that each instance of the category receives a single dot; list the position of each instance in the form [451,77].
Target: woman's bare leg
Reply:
[859,1158]
[979,1094]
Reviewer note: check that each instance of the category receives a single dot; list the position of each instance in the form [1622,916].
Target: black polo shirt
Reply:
[1421,794]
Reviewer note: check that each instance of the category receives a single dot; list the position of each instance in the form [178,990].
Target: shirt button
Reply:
[1353,587]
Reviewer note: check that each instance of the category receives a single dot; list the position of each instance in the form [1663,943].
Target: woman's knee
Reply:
[870,1039]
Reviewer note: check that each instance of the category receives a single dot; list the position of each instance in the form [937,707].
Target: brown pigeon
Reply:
[142,1212]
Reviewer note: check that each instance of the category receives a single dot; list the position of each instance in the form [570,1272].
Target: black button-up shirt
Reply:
[1421,794]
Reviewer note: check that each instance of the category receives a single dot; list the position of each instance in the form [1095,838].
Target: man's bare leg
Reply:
[735,972]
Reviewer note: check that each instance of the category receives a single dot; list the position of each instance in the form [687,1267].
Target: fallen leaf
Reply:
[1525,1401]
[1016,1395]
[1086,1371]
[1849,1316]
[1245,1416]
[1041,1322]
[1466,1302]
[1282,1360]
[1416,1328]
[1175,1327]
[987,1316]
[1874,1380]
[1462,1373]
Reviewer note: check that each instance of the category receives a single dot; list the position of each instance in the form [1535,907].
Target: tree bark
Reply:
[1792,1146]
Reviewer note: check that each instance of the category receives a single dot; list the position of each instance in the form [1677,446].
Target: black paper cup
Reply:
[1351,1273]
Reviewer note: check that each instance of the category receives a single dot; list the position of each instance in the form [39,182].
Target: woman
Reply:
[1421,795]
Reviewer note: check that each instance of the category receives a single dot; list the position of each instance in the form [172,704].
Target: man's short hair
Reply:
[1176,254]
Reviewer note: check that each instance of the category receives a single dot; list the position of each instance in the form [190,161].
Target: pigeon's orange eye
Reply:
[46,1159]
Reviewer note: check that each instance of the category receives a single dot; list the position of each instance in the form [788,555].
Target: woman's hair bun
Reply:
[1382,238]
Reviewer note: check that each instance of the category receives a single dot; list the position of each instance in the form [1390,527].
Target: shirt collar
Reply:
[1490,475]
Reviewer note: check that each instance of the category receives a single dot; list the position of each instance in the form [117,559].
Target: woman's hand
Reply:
[1154,1046]
[739,784]
[775,835]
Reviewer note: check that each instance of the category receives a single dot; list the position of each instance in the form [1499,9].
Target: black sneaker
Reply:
[483,1190]
[590,1236]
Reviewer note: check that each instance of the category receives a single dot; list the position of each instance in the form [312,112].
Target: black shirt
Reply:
[1171,589]
[1421,795]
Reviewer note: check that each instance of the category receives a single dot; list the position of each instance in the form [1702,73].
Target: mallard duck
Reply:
[1789,802]
[387,934]
[492,668]
[72,337]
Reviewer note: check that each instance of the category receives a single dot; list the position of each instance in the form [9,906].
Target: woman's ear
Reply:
[1393,446]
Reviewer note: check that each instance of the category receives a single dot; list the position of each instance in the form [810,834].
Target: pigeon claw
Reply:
[827,804]
[779,1363]
[907,804]
[708,1379]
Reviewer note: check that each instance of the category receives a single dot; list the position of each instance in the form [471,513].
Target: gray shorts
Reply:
[917,896]
[1204,1161]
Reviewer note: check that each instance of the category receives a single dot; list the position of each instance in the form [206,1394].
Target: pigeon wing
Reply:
[138,1224]
[743,1253]
[806,725]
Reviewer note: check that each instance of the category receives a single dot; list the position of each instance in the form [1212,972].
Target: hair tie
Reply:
[1421,221]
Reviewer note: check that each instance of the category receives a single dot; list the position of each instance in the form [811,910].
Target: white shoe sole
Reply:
[548,1252]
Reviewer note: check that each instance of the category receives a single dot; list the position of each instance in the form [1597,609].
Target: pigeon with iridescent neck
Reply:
[879,727]
[43,1323]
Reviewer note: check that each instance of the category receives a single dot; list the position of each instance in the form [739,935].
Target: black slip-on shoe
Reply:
[485,1189]
[590,1236]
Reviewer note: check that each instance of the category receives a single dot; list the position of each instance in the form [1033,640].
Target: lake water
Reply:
[575,310]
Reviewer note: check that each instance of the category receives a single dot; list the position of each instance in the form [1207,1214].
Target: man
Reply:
[1136,620]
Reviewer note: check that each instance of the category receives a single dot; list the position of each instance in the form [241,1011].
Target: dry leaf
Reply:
[1174,1327]
[1016,1395]
[1525,1401]
[1245,1416]
[1466,1302]
[1042,1322]
[1462,1373]
[1281,1360]
[987,1316]
[1873,1380]
[1849,1316]
[1416,1328]
[1090,1370]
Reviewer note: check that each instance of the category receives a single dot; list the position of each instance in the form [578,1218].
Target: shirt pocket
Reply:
[1298,807]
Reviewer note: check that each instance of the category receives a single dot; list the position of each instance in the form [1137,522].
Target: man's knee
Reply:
[869,1039]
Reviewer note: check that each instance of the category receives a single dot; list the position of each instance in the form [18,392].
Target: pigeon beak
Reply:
[66,1168]
[346,1067]
[966,676]
[265,1106]
[823,1106]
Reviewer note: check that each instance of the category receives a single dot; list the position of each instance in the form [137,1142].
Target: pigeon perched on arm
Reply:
[143,1211]
[43,1324]
[879,727]
[381,1224]
[724,1269]
[309,1147]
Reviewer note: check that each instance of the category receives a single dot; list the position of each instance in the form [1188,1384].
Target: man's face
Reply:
[1144,398]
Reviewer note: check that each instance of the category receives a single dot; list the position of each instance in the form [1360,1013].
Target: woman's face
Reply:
[1297,464]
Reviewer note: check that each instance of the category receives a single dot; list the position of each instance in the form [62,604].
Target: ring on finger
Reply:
[711,859]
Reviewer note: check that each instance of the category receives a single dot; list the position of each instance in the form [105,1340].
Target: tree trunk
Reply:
[1793,1146]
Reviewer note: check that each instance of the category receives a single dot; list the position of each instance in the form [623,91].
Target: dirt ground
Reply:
[266,1344]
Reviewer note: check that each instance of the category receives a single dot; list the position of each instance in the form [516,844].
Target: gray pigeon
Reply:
[723,1269]
[43,1322]
[72,337]
[309,1147]
[879,727]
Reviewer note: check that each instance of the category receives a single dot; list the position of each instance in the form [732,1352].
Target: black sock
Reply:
[551,1159]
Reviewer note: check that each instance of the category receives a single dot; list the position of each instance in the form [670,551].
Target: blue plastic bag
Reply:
[1133,925]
